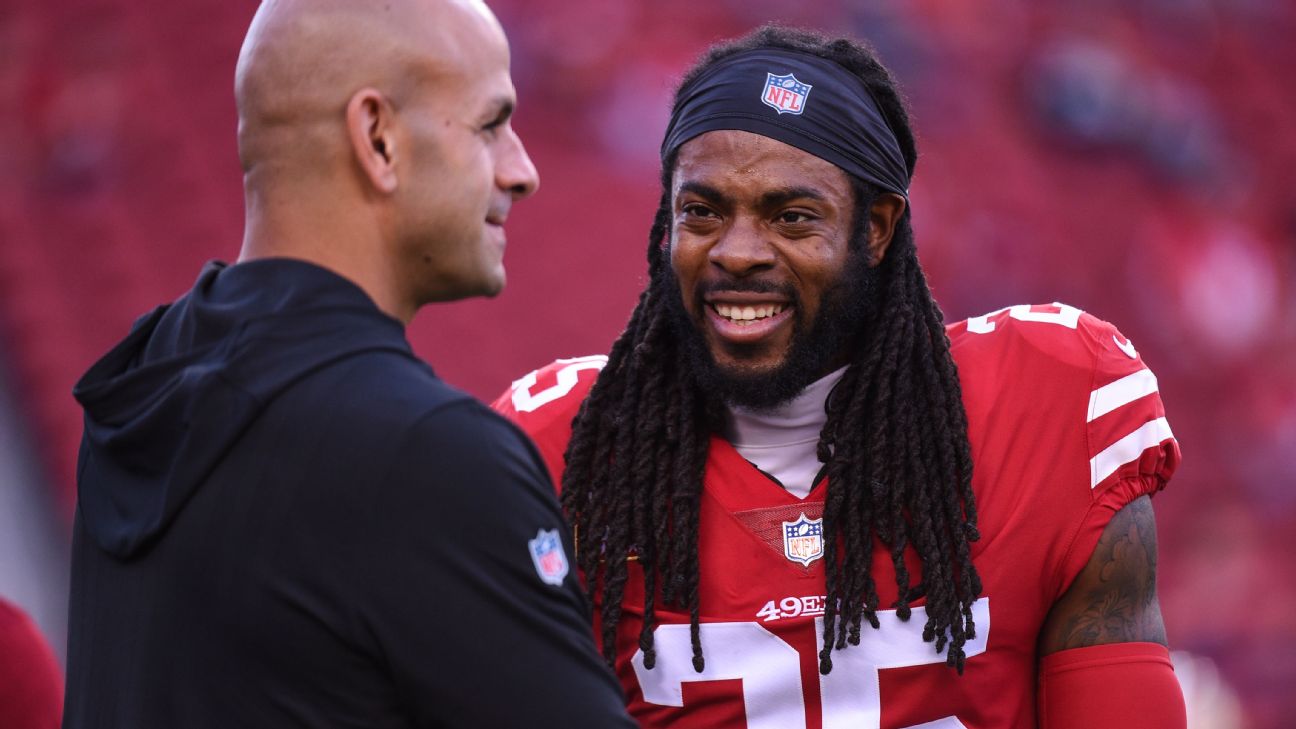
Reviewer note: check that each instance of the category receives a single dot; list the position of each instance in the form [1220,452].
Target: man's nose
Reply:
[515,172]
[743,249]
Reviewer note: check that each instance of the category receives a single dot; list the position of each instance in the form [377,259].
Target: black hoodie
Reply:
[286,519]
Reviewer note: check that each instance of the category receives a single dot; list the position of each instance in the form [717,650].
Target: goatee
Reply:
[842,324]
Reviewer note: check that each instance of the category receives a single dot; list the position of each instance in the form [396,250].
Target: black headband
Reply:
[799,99]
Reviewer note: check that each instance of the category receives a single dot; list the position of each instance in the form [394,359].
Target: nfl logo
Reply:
[548,556]
[803,540]
[785,94]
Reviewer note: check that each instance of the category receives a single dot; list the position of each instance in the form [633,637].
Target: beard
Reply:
[817,347]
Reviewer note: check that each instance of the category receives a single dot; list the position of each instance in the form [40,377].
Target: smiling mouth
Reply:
[747,315]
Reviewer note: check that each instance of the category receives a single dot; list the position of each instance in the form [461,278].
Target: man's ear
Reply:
[886,211]
[370,122]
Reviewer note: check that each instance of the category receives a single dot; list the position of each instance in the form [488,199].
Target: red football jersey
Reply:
[1066,427]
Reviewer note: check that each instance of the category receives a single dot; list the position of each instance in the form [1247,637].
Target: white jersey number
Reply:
[770,669]
[1067,316]
[524,401]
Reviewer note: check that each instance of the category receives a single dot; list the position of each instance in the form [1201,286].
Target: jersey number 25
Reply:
[770,669]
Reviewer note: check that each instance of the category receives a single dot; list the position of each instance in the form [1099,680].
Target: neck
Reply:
[331,236]
[784,442]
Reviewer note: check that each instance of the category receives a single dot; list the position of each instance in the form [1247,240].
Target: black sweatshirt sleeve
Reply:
[470,631]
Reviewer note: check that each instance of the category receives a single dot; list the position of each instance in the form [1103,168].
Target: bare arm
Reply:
[1113,600]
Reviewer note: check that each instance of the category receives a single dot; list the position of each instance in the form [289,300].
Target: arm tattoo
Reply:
[1113,600]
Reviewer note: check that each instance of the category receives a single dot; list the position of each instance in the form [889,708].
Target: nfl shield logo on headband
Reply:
[785,94]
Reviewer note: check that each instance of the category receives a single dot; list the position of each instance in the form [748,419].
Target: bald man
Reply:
[284,517]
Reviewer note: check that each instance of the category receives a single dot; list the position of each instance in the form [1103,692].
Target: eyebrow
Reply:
[706,191]
[771,199]
[775,198]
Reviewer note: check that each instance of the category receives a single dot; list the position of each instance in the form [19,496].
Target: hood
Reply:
[164,406]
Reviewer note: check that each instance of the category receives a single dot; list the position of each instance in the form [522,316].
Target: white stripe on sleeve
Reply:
[1121,392]
[1128,449]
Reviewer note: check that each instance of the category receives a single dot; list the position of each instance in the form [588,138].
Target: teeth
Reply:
[744,314]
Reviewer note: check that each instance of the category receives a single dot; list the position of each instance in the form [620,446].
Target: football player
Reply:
[802,500]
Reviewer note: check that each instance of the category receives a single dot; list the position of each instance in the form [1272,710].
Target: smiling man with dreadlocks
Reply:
[771,475]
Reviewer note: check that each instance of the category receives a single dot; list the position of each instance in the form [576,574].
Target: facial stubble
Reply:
[839,328]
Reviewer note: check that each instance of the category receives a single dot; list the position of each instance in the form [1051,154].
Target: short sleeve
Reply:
[481,621]
[1131,448]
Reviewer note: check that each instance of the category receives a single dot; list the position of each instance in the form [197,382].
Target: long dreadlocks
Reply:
[895,442]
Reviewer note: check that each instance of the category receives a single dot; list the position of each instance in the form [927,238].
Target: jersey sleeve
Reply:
[1063,414]
[544,402]
[481,621]
[1131,449]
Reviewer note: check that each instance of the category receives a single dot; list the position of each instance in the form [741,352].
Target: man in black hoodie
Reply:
[285,518]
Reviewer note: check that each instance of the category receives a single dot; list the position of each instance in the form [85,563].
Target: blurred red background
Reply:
[1136,159]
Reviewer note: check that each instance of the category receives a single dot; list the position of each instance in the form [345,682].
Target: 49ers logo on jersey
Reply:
[803,540]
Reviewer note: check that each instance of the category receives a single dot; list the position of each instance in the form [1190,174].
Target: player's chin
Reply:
[747,361]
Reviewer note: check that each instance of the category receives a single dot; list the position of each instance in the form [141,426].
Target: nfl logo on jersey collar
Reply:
[803,540]
[785,94]
[548,555]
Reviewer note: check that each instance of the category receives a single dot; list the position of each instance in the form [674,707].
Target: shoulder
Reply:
[1055,364]
[544,402]
[464,434]
[1049,336]
[1052,351]
[378,392]
[400,375]
[391,414]
[543,394]
[462,460]
[1062,399]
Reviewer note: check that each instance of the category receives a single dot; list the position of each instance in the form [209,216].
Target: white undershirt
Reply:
[784,442]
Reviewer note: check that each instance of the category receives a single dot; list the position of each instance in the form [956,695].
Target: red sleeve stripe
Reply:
[1121,392]
[1128,449]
